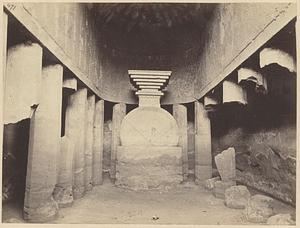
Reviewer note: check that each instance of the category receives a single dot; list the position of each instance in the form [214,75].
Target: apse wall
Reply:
[116,87]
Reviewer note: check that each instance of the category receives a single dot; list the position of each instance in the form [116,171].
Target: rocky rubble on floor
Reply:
[237,197]
[220,188]
[281,219]
[210,183]
[259,208]
[12,220]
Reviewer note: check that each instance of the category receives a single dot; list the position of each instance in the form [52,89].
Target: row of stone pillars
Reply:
[59,169]
[203,157]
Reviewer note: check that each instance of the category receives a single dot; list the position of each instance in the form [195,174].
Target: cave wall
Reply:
[263,134]
[116,86]
[73,29]
[234,28]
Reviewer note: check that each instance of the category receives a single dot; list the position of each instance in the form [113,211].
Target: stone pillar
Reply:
[88,150]
[180,115]
[75,130]
[44,146]
[23,79]
[203,157]
[119,112]
[98,142]
[63,192]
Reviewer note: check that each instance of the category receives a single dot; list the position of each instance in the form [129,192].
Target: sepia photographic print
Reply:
[174,113]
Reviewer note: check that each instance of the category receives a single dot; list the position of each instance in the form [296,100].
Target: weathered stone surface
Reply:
[146,168]
[98,142]
[210,183]
[63,193]
[237,197]
[233,92]
[220,188]
[203,158]
[225,163]
[149,126]
[180,115]
[45,212]
[269,170]
[88,148]
[265,160]
[281,219]
[75,130]
[22,81]
[70,83]
[119,112]
[259,208]
[250,75]
[107,145]
[15,154]
[271,55]
[13,220]
[44,148]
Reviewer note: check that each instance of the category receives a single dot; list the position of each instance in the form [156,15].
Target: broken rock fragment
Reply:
[225,163]
[259,208]
[210,183]
[281,219]
[237,197]
[220,187]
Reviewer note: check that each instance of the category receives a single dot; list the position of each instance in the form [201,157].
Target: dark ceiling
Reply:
[152,28]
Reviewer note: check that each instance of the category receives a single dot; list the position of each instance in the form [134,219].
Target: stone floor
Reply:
[187,204]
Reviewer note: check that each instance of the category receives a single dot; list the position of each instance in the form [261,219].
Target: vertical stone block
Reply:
[98,142]
[22,81]
[88,150]
[44,146]
[203,157]
[225,163]
[75,130]
[119,112]
[63,193]
[180,115]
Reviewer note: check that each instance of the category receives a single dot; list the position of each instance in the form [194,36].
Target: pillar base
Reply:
[44,213]
[204,172]
[78,192]
[88,187]
[63,196]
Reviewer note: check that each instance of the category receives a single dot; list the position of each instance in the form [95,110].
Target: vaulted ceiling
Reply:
[152,28]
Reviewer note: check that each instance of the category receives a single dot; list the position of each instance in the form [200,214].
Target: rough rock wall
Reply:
[265,159]
[14,179]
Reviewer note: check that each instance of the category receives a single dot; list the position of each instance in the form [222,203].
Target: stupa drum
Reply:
[149,156]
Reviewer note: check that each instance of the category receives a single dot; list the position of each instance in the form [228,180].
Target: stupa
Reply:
[149,156]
